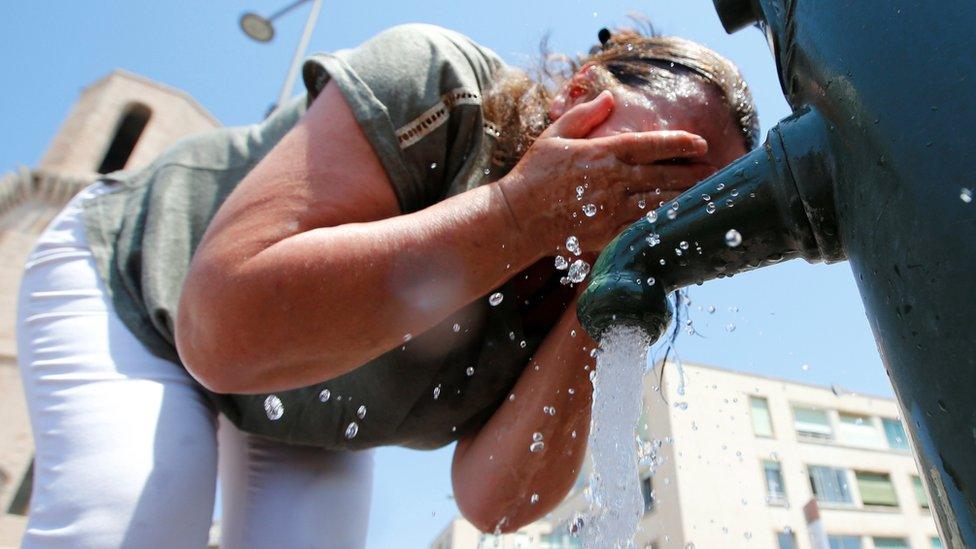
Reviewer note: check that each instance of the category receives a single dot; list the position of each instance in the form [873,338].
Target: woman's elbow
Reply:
[212,344]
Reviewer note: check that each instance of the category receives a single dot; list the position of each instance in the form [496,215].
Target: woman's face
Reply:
[695,106]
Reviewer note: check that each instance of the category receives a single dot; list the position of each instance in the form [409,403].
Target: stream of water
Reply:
[616,503]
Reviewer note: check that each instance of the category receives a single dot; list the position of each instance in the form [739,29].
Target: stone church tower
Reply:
[121,121]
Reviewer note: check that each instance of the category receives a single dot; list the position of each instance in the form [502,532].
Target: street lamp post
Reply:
[260,29]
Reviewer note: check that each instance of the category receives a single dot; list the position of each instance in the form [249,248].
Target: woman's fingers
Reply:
[648,147]
[581,119]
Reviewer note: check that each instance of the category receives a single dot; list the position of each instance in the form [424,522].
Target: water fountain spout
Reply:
[773,204]
[876,166]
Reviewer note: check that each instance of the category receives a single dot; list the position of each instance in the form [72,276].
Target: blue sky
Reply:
[787,316]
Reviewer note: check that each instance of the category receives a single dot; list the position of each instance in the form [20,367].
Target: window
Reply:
[920,495]
[890,543]
[647,490]
[844,542]
[786,540]
[762,423]
[812,423]
[127,134]
[876,489]
[858,430]
[895,432]
[830,484]
[775,491]
[559,539]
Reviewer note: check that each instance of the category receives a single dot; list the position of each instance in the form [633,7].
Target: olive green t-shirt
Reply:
[416,92]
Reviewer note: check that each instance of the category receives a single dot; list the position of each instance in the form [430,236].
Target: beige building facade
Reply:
[121,121]
[733,461]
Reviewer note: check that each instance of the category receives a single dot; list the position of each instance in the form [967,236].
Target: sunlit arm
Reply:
[308,270]
[494,473]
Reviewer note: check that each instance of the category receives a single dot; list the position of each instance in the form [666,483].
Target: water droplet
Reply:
[730,328]
[437,392]
[470,371]
[642,203]
[733,238]
[651,281]
[689,545]
[407,337]
[575,526]
[495,299]
[571,391]
[573,245]
[579,192]
[522,344]
[966,195]
[456,327]
[537,446]
[720,186]
[433,165]
[561,263]
[592,375]
[324,395]
[274,408]
[653,240]
[594,352]
[361,412]
[710,208]
[672,214]
[683,244]
[352,430]
[681,405]
[578,271]
[651,216]
[549,410]
[589,210]
[735,192]
[711,309]
[537,437]
[729,203]
[573,434]
[534,499]
[706,197]
[572,333]
[805,367]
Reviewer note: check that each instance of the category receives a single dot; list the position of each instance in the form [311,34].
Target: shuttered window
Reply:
[812,423]
[858,430]
[876,489]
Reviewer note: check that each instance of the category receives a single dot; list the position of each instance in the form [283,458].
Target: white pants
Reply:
[128,447]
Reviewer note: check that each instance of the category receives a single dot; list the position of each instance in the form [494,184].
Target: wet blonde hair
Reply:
[519,104]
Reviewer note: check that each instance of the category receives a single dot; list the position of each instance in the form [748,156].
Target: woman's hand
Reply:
[616,173]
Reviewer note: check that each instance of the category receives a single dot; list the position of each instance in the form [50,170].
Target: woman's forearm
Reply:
[320,303]
[521,464]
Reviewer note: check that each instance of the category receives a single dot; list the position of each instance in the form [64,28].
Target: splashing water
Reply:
[274,408]
[733,238]
[616,503]
[573,245]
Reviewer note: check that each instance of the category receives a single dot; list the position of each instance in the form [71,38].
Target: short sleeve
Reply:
[416,92]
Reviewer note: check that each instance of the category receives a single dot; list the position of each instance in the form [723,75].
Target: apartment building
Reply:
[735,458]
